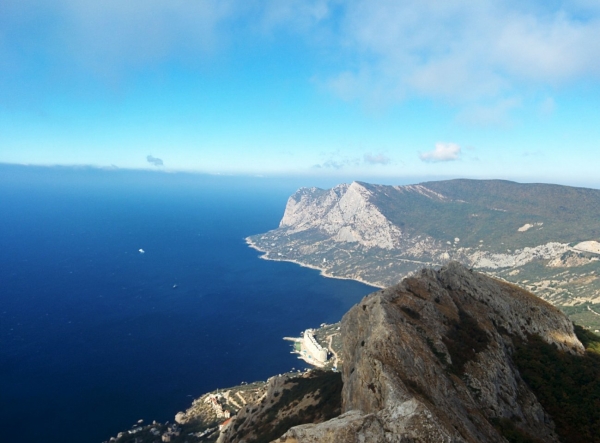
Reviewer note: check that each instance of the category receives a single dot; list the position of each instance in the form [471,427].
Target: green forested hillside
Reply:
[567,386]
[493,210]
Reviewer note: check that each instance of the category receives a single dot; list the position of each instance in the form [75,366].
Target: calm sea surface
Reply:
[95,335]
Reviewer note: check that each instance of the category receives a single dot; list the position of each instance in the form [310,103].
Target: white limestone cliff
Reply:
[345,213]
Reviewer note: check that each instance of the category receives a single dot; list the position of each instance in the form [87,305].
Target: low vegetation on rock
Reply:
[311,398]
[567,385]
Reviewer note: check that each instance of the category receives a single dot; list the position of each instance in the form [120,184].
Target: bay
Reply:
[95,335]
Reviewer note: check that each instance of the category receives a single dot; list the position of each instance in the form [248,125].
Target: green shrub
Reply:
[511,432]
[567,386]
[324,386]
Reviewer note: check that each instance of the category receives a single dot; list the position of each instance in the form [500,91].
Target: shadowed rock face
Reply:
[429,360]
[312,397]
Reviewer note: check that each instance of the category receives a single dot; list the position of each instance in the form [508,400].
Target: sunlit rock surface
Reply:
[430,360]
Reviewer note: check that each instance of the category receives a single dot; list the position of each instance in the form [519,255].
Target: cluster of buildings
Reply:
[172,431]
[215,401]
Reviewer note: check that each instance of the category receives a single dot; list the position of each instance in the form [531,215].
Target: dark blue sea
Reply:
[95,335]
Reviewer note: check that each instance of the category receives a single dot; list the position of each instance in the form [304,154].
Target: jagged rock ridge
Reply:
[430,360]
[345,213]
[543,237]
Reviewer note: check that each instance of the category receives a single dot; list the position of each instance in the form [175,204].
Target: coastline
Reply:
[322,271]
[301,355]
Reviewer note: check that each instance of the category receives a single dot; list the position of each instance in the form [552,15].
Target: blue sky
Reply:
[355,89]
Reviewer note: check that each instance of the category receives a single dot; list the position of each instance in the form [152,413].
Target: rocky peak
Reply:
[430,360]
[344,213]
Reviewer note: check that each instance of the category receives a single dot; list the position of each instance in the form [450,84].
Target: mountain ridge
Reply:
[430,359]
[543,237]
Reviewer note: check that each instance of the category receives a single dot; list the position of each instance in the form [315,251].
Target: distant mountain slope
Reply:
[493,210]
[543,237]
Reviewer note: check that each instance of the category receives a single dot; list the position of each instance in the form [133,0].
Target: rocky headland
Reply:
[545,238]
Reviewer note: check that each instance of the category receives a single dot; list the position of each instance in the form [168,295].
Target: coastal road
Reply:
[335,356]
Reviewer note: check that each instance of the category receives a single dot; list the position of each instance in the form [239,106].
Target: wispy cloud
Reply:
[443,152]
[377,159]
[386,51]
[333,164]
[338,160]
[107,40]
[154,160]
[473,55]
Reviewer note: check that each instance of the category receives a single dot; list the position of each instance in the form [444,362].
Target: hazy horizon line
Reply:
[337,178]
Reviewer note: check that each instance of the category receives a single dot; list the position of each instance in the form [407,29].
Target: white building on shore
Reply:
[314,349]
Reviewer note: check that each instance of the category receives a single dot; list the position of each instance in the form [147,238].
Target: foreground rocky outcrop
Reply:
[429,360]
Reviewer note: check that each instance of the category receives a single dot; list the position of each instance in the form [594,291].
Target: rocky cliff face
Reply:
[345,213]
[545,238]
[430,360]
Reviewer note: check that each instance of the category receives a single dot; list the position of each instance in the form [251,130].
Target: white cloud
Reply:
[471,54]
[154,160]
[301,14]
[443,152]
[465,52]
[79,39]
[113,35]
[110,39]
[339,160]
